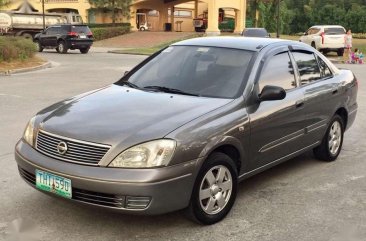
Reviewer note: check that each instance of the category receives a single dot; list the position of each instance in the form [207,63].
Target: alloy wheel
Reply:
[215,189]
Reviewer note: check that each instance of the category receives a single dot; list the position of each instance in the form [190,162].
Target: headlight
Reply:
[149,154]
[29,134]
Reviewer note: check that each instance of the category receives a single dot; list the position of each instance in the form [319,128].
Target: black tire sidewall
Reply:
[40,48]
[64,51]
[214,159]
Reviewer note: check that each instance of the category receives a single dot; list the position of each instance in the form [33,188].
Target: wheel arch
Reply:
[231,147]
[343,113]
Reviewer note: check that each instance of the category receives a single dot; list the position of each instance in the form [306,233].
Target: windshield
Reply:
[201,71]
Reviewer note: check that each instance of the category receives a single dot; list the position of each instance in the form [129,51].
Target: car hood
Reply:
[119,114]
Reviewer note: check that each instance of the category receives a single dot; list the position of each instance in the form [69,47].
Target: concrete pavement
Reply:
[302,199]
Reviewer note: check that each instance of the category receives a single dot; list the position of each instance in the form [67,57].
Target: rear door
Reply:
[50,37]
[320,92]
[277,127]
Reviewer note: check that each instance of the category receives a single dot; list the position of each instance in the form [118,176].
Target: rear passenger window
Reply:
[308,67]
[278,72]
[324,69]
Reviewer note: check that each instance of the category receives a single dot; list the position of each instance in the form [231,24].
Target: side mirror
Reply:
[305,34]
[270,92]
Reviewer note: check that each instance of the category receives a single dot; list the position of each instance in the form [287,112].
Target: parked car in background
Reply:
[325,38]
[64,37]
[256,32]
[182,128]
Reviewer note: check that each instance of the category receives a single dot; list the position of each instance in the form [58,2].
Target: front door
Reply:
[277,127]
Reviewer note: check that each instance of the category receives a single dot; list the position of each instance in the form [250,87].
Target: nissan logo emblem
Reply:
[62,148]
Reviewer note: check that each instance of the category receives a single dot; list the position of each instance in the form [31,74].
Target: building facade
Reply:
[179,13]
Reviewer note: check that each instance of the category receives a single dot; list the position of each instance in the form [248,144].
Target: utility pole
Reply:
[44,20]
[278,18]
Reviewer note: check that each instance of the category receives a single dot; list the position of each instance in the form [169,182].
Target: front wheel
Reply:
[38,46]
[215,190]
[331,144]
[61,47]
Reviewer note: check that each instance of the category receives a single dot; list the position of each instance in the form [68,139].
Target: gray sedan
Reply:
[181,129]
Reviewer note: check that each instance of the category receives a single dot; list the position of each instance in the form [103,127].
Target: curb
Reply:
[117,52]
[29,69]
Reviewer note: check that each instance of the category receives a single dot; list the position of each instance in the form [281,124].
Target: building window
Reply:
[153,13]
[181,13]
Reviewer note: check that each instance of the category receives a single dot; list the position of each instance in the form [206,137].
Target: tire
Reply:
[313,45]
[84,50]
[142,29]
[213,197]
[340,52]
[61,47]
[38,45]
[325,151]
[27,35]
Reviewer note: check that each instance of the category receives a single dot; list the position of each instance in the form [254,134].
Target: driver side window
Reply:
[278,71]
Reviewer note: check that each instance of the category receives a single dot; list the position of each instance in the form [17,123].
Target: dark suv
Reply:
[64,37]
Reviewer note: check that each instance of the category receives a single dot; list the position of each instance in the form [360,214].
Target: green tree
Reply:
[113,6]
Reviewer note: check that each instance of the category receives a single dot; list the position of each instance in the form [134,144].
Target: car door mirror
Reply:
[270,92]
[305,34]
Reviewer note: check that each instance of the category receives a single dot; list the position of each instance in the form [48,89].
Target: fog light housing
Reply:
[137,203]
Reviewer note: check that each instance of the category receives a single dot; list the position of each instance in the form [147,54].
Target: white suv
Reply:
[325,38]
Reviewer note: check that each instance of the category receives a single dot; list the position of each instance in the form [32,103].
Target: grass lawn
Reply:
[18,64]
[151,50]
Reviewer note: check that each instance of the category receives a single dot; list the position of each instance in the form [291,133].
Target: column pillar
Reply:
[213,19]
[163,18]
[172,9]
[133,19]
[196,9]
[240,17]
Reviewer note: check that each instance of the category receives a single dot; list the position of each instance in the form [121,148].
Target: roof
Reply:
[327,26]
[253,44]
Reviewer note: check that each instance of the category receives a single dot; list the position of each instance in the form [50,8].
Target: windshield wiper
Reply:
[129,84]
[169,90]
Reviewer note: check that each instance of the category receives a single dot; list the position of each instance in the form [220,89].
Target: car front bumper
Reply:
[139,191]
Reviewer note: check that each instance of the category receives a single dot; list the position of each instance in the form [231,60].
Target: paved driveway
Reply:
[302,199]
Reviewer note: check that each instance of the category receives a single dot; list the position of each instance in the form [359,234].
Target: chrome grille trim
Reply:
[79,152]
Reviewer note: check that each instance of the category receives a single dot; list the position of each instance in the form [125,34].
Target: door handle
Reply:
[299,104]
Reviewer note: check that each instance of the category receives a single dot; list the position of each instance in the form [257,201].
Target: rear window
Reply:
[80,29]
[255,33]
[334,31]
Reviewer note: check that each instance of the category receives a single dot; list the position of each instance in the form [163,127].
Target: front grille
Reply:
[77,151]
[97,198]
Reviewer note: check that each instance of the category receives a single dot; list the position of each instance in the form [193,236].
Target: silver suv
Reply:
[325,38]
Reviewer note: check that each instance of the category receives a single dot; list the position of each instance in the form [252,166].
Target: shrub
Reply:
[109,32]
[104,25]
[16,48]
